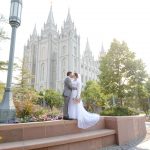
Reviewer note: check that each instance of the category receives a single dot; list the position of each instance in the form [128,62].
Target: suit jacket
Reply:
[67,87]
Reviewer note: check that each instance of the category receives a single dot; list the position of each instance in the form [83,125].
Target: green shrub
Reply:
[93,96]
[53,98]
[54,112]
[119,111]
[26,109]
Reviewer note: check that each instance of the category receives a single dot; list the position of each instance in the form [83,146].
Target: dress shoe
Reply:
[67,118]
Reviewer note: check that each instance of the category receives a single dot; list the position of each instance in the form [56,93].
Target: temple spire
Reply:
[87,46]
[50,16]
[34,31]
[102,48]
[68,17]
[102,52]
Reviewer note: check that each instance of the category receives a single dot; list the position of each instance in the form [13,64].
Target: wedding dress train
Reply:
[77,111]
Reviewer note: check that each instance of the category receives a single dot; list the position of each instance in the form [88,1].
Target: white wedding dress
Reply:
[77,111]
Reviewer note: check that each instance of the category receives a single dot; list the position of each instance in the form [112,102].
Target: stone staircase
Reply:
[55,135]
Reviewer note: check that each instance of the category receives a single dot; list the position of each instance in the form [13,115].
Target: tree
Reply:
[121,72]
[3,34]
[24,76]
[3,65]
[22,89]
[146,101]
[2,85]
[147,85]
[53,98]
[24,96]
[93,96]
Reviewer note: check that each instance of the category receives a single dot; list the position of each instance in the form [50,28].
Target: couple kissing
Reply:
[73,105]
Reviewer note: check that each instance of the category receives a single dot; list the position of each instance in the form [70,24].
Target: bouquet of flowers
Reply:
[76,100]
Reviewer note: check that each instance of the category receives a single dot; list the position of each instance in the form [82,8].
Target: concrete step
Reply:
[90,140]
[37,130]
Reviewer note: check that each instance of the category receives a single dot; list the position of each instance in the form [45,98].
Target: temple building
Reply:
[51,54]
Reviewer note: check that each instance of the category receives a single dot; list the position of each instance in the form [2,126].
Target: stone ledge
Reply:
[37,130]
[59,140]
[127,128]
[40,124]
[34,124]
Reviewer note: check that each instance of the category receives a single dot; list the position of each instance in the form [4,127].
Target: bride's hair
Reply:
[76,75]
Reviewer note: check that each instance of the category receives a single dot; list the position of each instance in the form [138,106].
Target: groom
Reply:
[67,94]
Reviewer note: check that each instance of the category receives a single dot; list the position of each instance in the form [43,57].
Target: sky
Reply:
[98,20]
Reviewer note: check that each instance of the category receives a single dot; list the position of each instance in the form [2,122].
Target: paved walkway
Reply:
[145,144]
[141,144]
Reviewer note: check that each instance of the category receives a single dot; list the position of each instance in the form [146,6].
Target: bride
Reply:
[76,109]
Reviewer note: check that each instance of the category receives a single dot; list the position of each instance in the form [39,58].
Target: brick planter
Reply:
[127,128]
[65,135]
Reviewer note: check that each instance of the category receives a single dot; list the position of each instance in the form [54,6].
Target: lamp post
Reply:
[7,108]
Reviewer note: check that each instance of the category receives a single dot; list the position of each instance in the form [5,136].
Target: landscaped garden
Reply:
[122,88]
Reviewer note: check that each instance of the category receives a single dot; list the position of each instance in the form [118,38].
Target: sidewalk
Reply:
[141,144]
[145,144]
